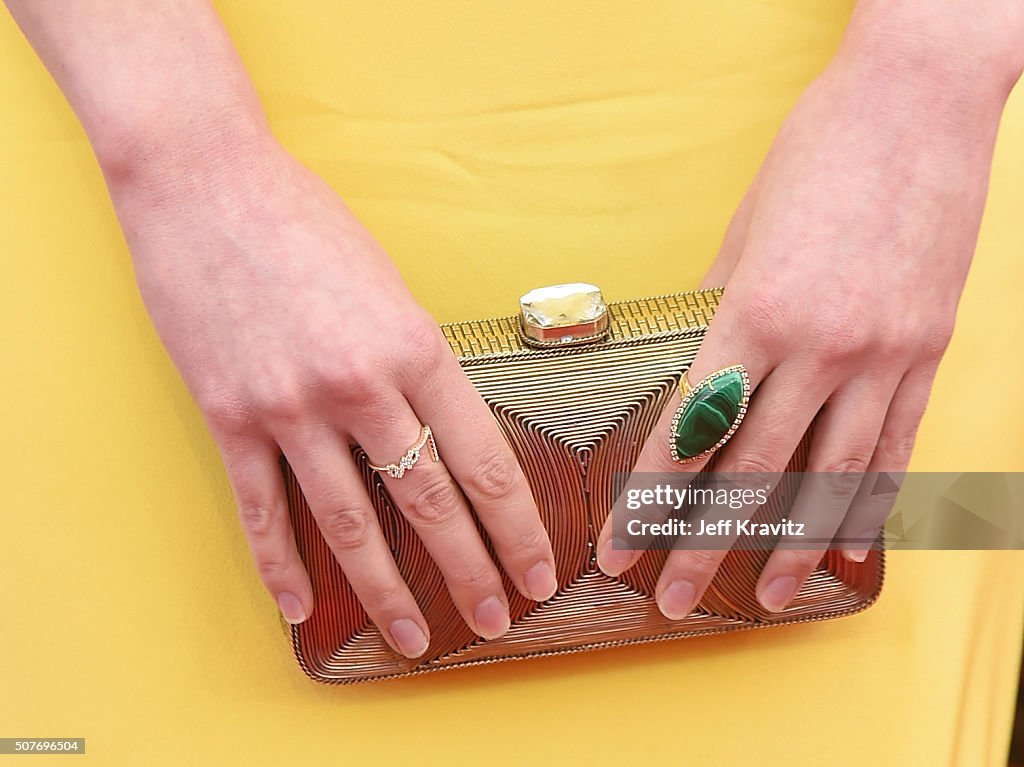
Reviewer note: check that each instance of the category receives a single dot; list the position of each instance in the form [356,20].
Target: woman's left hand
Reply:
[844,264]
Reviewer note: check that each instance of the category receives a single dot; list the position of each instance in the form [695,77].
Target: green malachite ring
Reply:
[709,413]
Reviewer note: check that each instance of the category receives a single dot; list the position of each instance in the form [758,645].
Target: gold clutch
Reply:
[576,403]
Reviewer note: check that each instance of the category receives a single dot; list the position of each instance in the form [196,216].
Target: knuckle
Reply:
[494,478]
[258,519]
[933,343]
[753,463]
[648,515]
[767,316]
[279,400]
[475,579]
[702,562]
[897,340]
[383,600]
[355,381]
[846,472]
[423,347]
[433,504]
[346,527]
[272,569]
[894,452]
[224,413]
[843,486]
[839,483]
[532,540]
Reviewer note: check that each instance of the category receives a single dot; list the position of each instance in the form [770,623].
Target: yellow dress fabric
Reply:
[491,147]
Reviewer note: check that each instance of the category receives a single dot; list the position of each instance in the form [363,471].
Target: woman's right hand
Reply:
[295,333]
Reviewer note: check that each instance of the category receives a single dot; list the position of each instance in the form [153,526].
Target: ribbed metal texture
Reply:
[574,417]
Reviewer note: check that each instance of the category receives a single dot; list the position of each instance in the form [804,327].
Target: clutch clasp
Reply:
[562,315]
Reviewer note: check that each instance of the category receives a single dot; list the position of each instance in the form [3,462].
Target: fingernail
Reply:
[409,637]
[857,555]
[491,618]
[614,557]
[540,582]
[677,601]
[778,593]
[291,608]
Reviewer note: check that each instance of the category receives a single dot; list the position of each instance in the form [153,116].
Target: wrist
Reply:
[158,158]
[908,89]
[964,55]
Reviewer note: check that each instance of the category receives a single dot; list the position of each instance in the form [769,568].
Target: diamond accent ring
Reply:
[412,455]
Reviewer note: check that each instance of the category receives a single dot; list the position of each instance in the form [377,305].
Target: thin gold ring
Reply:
[412,455]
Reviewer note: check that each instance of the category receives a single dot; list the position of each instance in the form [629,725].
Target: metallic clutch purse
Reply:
[576,397]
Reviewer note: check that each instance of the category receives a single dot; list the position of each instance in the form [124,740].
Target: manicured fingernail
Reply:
[778,593]
[540,582]
[409,637]
[291,608]
[491,618]
[614,557]
[856,555]
[677,601]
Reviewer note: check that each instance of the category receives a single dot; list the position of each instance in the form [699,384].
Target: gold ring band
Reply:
[684,385]
[412,455]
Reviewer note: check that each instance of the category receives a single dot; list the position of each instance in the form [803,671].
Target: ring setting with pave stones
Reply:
[412,455]
[709,413]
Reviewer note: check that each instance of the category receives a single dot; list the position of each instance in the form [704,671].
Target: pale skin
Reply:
[295,333]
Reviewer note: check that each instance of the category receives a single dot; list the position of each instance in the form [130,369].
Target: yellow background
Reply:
[491,147]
